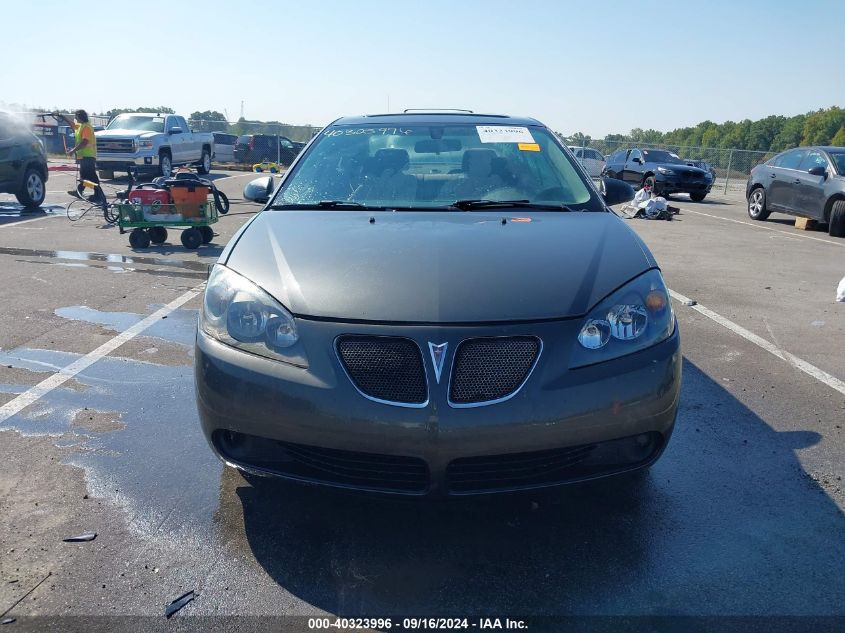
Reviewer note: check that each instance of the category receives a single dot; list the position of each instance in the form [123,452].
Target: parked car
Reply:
[437,304]
[152,144]
[592,160]
[258,148]
[807,182]
[224,147]
[664,173]
[23,163]
[701,164]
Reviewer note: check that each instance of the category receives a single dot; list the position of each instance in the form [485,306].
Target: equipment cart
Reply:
[150,209]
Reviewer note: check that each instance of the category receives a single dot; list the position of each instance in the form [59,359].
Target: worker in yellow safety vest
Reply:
[85,149]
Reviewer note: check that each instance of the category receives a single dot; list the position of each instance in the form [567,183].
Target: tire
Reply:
[139,238]
[158,234]
[191,238]
[205,163]
[697,196]
[76,209]
[207,233]
[836,223]
[165,164]
[33,191]
[757,204]
[221,202]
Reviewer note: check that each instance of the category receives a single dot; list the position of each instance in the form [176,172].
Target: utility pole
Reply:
[242,108]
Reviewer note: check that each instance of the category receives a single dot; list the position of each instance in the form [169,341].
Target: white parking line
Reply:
[35,393]
[766,228]
[811,370]
[6,225]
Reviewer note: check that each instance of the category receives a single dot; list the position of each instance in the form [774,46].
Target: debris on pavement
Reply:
[840,291]
[690,302]
[8,620]
[177,604]
[81,538]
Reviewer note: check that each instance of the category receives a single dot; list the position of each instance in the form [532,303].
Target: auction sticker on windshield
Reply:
[504,134]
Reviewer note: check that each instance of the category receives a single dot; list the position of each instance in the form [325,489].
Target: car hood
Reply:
[432,267]
[119,133]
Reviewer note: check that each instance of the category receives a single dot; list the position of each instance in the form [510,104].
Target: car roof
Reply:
[407,118]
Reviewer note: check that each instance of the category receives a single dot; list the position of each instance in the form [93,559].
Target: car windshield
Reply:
[432,166]
[659,156]
[136,122]
[839,160]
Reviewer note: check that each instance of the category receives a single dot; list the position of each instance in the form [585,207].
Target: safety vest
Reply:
[85,130]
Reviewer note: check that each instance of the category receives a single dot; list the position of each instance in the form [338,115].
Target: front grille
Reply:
[368,471]
[385,368]
[115,146]
[519,470]
[488,369]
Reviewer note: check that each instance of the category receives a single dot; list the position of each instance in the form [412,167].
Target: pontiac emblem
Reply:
[438,357]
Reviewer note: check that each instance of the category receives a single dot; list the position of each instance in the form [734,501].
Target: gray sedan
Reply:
[437,304]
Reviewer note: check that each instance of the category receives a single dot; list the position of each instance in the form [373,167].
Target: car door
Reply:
[810,197]
[616,163]
[176,138]
[191,147]
[633,171]
[782,189]
[8,144]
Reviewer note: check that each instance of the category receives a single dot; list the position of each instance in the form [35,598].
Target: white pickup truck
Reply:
[152,144]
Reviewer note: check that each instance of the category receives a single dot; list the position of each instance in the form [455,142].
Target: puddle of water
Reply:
[179,327]
[105,257]
[158,466]
[16,210]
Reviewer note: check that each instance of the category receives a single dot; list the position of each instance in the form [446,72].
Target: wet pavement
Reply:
[743,515]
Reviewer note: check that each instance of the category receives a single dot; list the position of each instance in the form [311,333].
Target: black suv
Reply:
[255,148]
[23,163]
[663,171]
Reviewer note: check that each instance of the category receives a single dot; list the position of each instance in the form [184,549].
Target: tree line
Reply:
[772,134]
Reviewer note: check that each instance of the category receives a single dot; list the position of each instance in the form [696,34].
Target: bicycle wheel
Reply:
[77,208]
[111,214]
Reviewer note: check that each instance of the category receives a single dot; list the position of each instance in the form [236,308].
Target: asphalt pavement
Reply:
[742,516]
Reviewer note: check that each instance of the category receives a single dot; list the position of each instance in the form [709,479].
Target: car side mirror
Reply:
[175,130]
[639,161]
[818,170]
[260,189]
[616,191]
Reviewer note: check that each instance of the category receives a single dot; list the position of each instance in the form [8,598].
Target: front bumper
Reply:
[269,417]
[122,162]
[673,184]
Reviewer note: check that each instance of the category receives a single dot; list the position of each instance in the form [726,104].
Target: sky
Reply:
[594,67]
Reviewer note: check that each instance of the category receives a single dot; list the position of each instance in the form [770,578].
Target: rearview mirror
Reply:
[616,191]
[260,189]
[818,170]
[437,145]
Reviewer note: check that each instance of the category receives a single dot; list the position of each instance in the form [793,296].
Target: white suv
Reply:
[592,160]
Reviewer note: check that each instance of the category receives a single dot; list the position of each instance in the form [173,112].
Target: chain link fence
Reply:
[732,166]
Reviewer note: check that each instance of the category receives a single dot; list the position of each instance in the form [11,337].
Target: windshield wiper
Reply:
[326,204]
[470,205]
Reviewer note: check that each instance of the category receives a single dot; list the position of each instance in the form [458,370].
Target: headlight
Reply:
[237,312]
[665,170]
[145,144]
[635,317]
